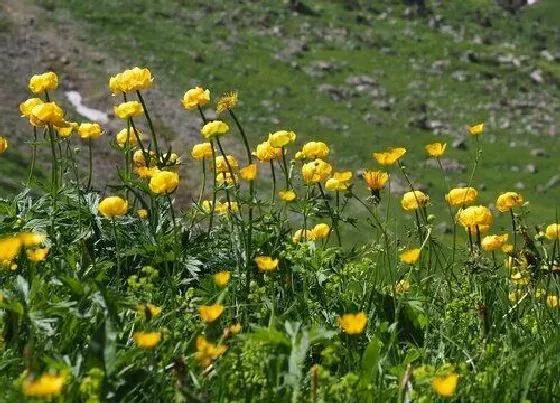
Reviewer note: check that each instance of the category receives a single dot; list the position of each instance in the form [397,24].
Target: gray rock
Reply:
[538,152]
[531,168]
[459,144]
[546,55]
[519,186]
[460,75]
[537,77]
[514,168]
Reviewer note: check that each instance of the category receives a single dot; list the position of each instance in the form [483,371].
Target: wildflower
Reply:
[287,195]
[3,144]
[147,340]
[494,242]
[142,213]
[221,279]
[410,256]
[461,196]
[131,80]
[474,217]
[46,385]
[213,129]
[43,82]
[129,109]
[9,248]
[266,152]
[37,255]
[507,248]
[195,97]
[520,278]
[207,352]
[552,301]
[375,180]
[339,181]
[113,206]
[476,129]
[436,150]
[552,231]
[206,206]
[445,386]
[507,201]
[227,101]
[320,231]
[303,234]
[248,173]
[140,159]
[210,313]
[66,131]
[413,200]
[226,177]
[222,165]
[149,310]
[235,329]
[125,134]
[47,113]
[226,207]
[390,155]
[202,150]
[27,106]
[402,287]
[266,263]
[316,171]
[281,138]
[90,131]
[353,323]
[146,172]
[313,150]
[164,182]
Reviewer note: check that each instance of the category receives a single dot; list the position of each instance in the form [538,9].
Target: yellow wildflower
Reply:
[248,173]
[27,106]
[43,82]
[390,155]
[113,206]
[461,196]
[221,279]
[164,182]
[281,138]
[142,213]
[316,171]
[37,255]
[129,109]
[476,129]
[314,150]
[200,151]
[375,180]
[353,323]
[507,201]
[147,340]
[413,200]
[410,256]
[47,113]
[494,242]
[210,313]
[46,385]
[553,231]
[266,152]
[339,181]
[287,195]
[207,352]
[214,128]
[266,263]
[552,301]
[125,134]
[473,217]
[436,150]
[320,231]
[227,101]
[445,386]
[195,97]
[90,131]
[3,144]
[148,310]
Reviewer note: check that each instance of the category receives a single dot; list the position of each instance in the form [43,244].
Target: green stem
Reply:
[334,219]
[273,181]
[33,156]
[88,187]
[150,124]
[243,135]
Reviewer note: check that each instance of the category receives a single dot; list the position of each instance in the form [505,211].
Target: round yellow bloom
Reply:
[476,129]
[287,195]
[142,213]
[402,287]
[214,128]
[445,386]
[37,255]
[320,231]
[131,80]
[90,131]
[140,159]
[222,165]
[207,352]
[303,234]
[235,329]
[390,155]
[314,150]
[413,200]
[494,242]
[147,340]
[31,239]
[206,206]
[473,217]
[553,231]
[46,385]
[461,196]
[150,310]
[66,131]
[26,106]
[375,180]
[410,256]
[353,323]
[47,113]
[43,82]
[265,152]
[202,150]
[339,181]
[266,263]
[436,149]
[316,171]
[164,182]
[9,248]
[3,144]
[195,97]
[129,109]
[227,101]
[248,173]
[125,134]
[226,177]
[146,172]
[209,313]
[226,207]
[281,138]
[113,206]
[552,301]
[507,201]
[221,279]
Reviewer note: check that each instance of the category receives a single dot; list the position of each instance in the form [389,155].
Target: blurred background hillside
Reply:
[357,74]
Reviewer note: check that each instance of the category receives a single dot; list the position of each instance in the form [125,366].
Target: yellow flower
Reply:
[553,231]
[131,80]
[507,248]
[221,279]
[213,129]
[222,165]
[129,109]
[206,206]
[410,256]
[249,173]
[390,155]
[125,134]
[210,313]
[287,195]
[476,129]
[281,138]
[170,159]
[494,242]
[113,206]
[43,82]
[226,207]
[3,144]
[266,152]
[402,287]
[436,149]
[9,248]
[147,340]
[31,239]
[227,101]
[27,106]
[142,213]
[140,160]
[195,97]
[461,196]
[339,181]
[303,234]
[47,113]
[266,263]
[353,323]
[202,150]
[235,329]
[414,200]
[320,231]
[66,131]
[226,177]
[314,150]
[376,180]
[507,201]
[445,386]
[473,217]
[164,182]
[37,255]
[520,278]
[552,301]
[316,171]
[90,131]
[207,352]
[46,385]
[148,310]
[146,172]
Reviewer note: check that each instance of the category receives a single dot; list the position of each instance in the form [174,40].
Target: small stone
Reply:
[538,152]
[537,77]
[546,55]
[514,168]
[520,186]
[459,144]
[460,75]
[531,168]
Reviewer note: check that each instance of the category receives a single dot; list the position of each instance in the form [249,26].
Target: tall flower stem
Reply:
[214,187]
[243,136]
[117,249]
[33,156]
[150,124]
[334,218]
[230,169]
[273,181]
[88,187]
[203,184]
